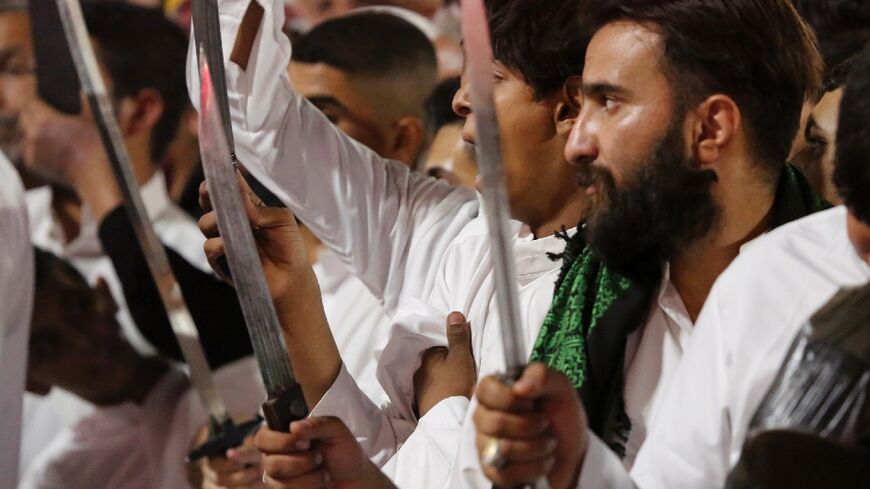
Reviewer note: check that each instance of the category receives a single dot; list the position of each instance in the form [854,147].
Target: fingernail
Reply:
[318,459]
[456,319]
[326,476]
[303,445]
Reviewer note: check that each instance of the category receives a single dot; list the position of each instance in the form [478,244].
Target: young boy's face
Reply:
[533,135]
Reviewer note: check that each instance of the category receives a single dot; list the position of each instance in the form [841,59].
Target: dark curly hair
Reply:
[852,167]
[543,41]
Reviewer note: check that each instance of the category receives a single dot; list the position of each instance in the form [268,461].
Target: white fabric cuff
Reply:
[602,468]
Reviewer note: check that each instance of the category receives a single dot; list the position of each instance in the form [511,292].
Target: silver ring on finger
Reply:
[492,455]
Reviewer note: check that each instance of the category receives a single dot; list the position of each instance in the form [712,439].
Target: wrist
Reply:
[98,189]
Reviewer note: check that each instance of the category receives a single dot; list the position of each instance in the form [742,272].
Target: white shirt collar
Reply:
[47,232]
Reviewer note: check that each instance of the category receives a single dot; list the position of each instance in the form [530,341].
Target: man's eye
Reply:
[16,69]
[610,103]
[817,141]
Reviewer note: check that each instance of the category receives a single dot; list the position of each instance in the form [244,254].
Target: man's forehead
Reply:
[622,53]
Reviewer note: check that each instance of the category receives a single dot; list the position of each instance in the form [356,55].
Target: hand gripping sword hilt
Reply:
[224,436]
[512,375]
[283,409]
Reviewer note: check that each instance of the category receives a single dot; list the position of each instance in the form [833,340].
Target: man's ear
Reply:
[138,115]
[567,106]
[410,135]
[105,300]
[714,127]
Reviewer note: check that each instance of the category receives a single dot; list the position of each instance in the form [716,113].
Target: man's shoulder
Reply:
[803,245]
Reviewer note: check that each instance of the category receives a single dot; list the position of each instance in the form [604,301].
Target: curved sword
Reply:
[74,27]
[286,402]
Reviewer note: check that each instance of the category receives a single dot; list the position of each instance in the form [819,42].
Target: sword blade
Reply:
[285,395]
[207,33]
[479,62]
[170,293]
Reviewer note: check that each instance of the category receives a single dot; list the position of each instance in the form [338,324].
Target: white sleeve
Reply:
[390,225]
[381,430]
[16,300]
[378,431]
[427,458]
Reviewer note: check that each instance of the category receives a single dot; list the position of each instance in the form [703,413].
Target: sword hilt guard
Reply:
[508,378]
[284,408]
[224,436]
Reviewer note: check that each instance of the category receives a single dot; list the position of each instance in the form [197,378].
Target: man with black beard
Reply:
[689,110]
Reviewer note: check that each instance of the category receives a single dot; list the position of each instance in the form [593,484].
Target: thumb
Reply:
[458,334]
[323,429]
[538,380]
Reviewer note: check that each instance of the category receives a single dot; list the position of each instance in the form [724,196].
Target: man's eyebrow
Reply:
[600,88]
[320,101]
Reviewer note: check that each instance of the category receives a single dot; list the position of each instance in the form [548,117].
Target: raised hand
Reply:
[317,453]
[279,242]
[532,429]
[447,372]
[241,468]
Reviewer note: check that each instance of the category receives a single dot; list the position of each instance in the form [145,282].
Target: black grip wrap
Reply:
[223,437]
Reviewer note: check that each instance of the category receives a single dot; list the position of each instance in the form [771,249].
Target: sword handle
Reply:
[282,409]
[222,437]
[512,375]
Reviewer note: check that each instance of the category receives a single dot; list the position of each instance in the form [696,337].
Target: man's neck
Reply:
[745,213]
[565,218]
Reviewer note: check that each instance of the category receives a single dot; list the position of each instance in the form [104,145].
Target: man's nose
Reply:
[462,102]
[582,147]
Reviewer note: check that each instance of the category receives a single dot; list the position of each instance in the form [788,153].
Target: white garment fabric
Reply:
[131,446]
[752,315]
[16,303]
[465,284]
[416,242]
[356,318]
[177,230]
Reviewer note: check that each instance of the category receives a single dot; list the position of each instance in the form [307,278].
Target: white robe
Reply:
[751,317]
[16,302]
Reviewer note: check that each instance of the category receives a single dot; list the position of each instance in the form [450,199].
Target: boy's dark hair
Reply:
[439,106]
[375,46]
[758,52]
[842,26]
[141,49]
[368,43]
[852,167]
[543,41]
